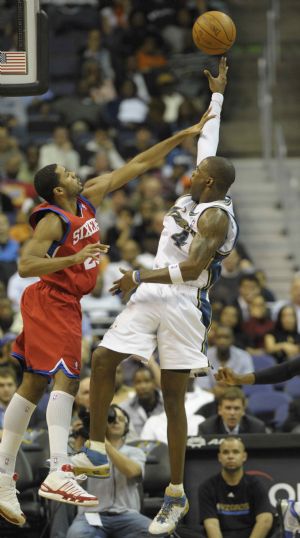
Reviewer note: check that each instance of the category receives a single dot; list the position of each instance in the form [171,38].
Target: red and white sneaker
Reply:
[62,486]
[10,508]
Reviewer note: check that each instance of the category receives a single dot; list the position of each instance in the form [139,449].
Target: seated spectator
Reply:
[118,514]
[118,235]
[60,150]
[93,86]
[230,316]
[16,188]
[95,51]
[16,285]
[132,109]
[257,326]
[172,99]
[97,303]
[155,428]
[131,258]
[248,289]
[226,288]
[7,362]
[150,56]
[122,391]
[9,250]
[8,148]
[232,417]
[147,401]
[284,341]
[232,503]
[30,165]
[292,423]
[294,300]
[8,386]
[265,292]
[7,315]
[224,353]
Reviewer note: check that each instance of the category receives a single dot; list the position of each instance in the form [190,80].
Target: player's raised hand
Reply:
[227,375]
[218,84]
[90,251]
[196,129]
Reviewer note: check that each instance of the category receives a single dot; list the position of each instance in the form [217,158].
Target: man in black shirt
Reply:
[232,503]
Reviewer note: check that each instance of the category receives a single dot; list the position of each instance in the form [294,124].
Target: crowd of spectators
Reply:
[125,74]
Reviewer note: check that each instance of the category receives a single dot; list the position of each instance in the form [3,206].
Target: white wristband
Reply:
[175,274]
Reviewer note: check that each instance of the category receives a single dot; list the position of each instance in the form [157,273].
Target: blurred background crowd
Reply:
[125,74]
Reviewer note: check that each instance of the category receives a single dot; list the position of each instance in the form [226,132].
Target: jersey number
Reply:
[180,239]
[89,263]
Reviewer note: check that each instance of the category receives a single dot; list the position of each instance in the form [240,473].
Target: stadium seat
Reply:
[292,387]
[263,361]
[265,406]
[251,389]
[157,474]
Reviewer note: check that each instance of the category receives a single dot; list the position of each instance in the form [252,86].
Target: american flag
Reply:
[13,63]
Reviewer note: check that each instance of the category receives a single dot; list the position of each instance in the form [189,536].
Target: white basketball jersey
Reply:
[180,227]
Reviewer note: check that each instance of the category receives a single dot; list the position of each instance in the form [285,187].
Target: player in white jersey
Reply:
[170,308]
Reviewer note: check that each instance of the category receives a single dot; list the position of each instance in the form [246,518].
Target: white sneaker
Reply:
[62,486]
[91,462]
[9,505]
[171,512]
[290,516]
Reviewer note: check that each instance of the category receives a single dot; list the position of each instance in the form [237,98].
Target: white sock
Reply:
[175,490]
[59,413]
[16,420]
[97,445]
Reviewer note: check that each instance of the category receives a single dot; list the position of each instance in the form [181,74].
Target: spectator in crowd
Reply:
[265,291]
[29,165]
[131,258]
[292,422]
[225,353]
[248,289]
[8,148]
[9,250]
[16,285]
[232,418]
[294,300]
[257,326]
[118,235]
[95,51]
[8,386]
[230,316]
[122,391]
[7,315]
[60,150]
[147,401]
[155,427]
[97,304]
[233,503]
[7,362]
[118,514]
[284,341]
[226,288]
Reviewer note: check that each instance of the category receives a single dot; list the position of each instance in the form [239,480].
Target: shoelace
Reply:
[165,512]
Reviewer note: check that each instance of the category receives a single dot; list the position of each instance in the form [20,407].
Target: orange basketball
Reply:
[214,32]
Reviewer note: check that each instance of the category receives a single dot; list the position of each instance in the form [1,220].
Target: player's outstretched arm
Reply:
[209,138]
[33,261]
[95,189]
[230,377]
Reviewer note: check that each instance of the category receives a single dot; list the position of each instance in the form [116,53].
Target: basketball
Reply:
[214,32]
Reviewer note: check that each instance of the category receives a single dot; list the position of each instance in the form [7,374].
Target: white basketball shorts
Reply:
[172,318]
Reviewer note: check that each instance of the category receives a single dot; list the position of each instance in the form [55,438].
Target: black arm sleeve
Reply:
[276,374]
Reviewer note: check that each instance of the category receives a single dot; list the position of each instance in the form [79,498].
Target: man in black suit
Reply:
[231,417]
